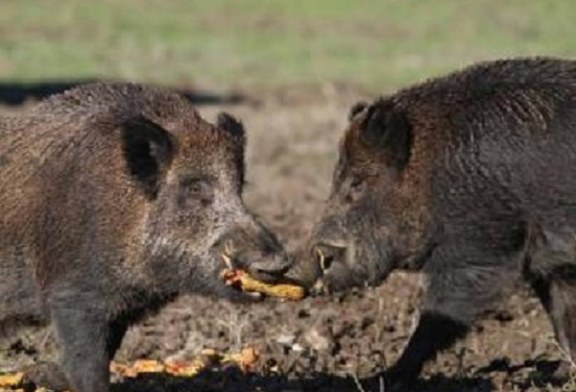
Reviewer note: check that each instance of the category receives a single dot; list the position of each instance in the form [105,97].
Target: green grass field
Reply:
[244,44]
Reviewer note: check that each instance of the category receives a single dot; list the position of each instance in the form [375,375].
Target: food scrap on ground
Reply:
[11,380]
[245,360]
[242,280]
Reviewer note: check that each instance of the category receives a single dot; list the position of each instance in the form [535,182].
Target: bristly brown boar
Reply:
[115,198]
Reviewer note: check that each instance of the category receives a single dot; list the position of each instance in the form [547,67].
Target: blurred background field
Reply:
[300,65]
[270,43]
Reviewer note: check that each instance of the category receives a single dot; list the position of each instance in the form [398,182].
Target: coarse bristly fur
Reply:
[115,198]
[469,179]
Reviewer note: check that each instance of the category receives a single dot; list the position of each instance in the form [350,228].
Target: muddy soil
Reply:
[320,344]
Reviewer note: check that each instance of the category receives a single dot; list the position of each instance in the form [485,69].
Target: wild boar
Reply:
[468,179]
[114,199]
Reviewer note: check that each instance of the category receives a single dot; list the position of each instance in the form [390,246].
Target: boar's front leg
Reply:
[552,274]
[51,375]
[82,332]
[558,296]
[435,332]
[454,297]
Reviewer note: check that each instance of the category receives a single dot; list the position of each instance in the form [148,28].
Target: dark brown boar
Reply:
[469,179]
[115,198]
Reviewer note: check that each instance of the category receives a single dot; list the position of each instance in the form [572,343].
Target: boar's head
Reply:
[191,174]
[375,217]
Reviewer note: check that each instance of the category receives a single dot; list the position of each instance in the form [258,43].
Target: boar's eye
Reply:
[356,188]
[196,190]
[357,183]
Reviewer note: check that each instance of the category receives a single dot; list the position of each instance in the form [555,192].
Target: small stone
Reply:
[316,340]
[286,340]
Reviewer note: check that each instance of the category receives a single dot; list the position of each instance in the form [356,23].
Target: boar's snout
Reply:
[272,269]
[325,253]
[304,271]
[255,250]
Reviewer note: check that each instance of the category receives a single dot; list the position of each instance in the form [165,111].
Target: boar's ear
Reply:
[357,109]
[148,150]
[387,129]
[230,124]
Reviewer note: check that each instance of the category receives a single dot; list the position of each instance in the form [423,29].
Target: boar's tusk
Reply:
[229,248]
[228,254]
[321,259]
[227,260]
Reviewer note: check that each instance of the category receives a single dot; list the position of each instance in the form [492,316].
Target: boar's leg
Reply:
[558,296]
[434,333]
[453,299]
[563,314]
[82,334]
[552,274]
[50,375]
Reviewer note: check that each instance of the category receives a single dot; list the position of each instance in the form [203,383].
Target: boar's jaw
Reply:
[356,265]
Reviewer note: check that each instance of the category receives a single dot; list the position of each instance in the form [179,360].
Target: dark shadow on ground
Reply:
[231,379]
[536,372]
[234,381]
[16,93]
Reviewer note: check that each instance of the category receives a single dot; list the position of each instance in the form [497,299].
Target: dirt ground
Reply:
[320,344]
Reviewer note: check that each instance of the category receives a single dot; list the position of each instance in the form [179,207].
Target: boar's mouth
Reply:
[231,264]
[259,278]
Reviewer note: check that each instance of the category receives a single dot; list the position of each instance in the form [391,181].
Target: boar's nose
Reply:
[326,255]
[271,269]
